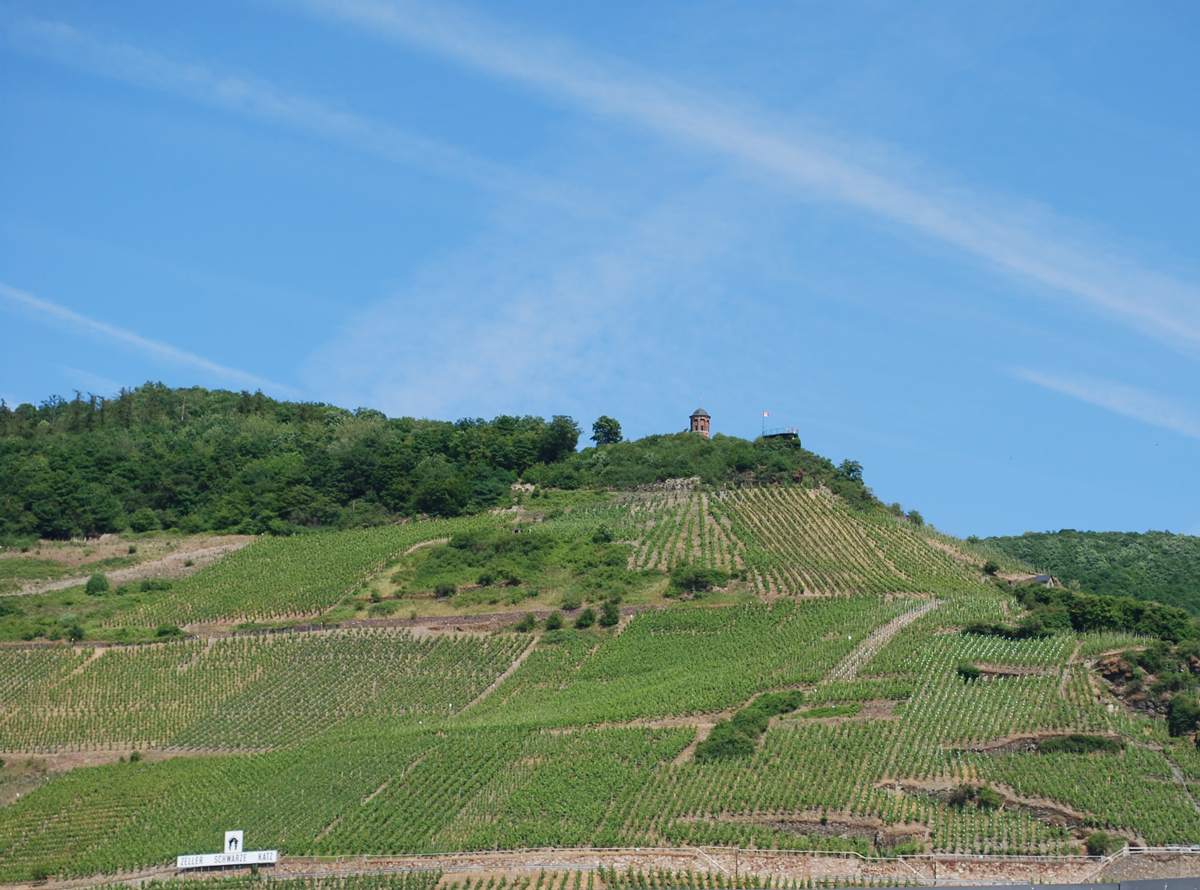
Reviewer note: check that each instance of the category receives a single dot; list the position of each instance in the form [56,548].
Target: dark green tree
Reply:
[1183,714]
[610,615]
[97,585]
[586,618]
[850,470]
[606,430]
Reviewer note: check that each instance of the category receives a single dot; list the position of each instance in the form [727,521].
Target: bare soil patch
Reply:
[155,558]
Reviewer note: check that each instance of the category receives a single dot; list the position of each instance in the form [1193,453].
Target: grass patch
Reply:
[1079,743]
[831,711]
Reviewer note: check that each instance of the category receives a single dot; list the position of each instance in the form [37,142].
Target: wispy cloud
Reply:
[1139,404]
[165,351]
[1032,246]
[264,101]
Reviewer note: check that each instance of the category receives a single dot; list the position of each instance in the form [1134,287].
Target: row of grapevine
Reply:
[290,577]
[684,661]
[245,691]
[805,541]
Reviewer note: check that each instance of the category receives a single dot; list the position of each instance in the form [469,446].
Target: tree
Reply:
[991,567]
[850,470]
[606,430]
[554,621]
[1182,714]
[97,585]
[586,618]
[558,439]
[610,615]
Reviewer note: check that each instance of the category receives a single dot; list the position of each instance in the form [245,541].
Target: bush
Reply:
[962,795]
[444,589]
[526,624]
[166,631]
[725,742]
[991,567]
[696,578]
[135,756]
[97,585]
[1078,743]
[144,520]
[75,632]
[1097,843]
[610,615]
[554,621]
[602,535]
[969,672]
[988,798]
[1183,715]
[586,619]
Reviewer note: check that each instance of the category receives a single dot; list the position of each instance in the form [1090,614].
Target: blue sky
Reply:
[955,242]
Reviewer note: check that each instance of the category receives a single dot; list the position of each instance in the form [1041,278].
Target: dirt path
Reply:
[728,862]
[172,565]
[495,684]
[1066,674]
[847,669]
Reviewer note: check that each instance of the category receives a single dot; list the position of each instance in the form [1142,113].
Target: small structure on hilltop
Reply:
[700,422]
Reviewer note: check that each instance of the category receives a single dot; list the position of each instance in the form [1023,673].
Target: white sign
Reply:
[234,854]
[246,857]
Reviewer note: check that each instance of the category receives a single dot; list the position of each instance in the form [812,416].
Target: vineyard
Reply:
[292,577]
[240,692]
[388,740]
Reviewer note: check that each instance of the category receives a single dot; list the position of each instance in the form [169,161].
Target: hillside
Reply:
[429,704]
[1155,566]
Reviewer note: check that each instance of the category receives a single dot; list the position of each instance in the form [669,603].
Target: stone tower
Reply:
[700,420]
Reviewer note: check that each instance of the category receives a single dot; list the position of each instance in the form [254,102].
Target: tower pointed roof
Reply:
[699,412]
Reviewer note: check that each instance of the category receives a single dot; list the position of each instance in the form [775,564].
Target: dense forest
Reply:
[194,459]
[1156,566]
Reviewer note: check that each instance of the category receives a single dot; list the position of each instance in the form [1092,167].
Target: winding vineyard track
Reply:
[847,669]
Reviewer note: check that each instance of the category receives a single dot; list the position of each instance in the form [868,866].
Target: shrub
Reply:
[135,756]
[1097,843]
[696,578]
[586,619]
[725,742]
[97,585]
[962,795]
[988,798]
[991,567]
[969,672]
[444,589]
[75,632]
[1183,714]
[133,548]
[554,621]
[168,630]
[144,520]
[526,624]
[1078,743]
[602,535]
[610,615]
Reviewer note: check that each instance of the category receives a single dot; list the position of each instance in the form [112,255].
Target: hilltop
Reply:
[674,642]
[199,460]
